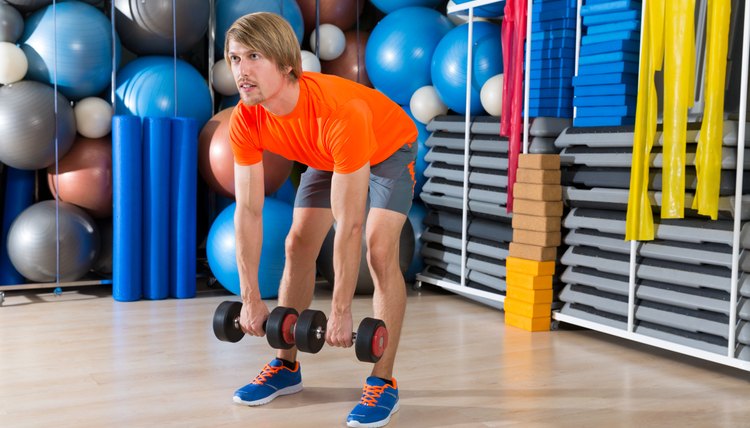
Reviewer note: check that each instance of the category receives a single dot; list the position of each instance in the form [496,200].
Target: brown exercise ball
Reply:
[84,176]
[216,161]
[342,14]
[351,61]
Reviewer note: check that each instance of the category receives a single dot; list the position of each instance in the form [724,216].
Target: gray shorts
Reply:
[391,183]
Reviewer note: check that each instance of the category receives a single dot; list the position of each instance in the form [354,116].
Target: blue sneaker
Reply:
[379,401]
[273,381]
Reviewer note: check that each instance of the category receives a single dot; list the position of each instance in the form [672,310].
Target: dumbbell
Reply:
[279,326]
[370,340]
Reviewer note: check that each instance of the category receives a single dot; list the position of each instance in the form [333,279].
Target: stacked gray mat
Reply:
[488,224]
[682,281]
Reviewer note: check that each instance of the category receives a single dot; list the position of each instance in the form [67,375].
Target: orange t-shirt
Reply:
[337,125]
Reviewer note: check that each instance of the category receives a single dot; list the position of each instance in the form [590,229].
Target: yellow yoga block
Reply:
[530,267]
[529,310]
[528,324]
[531,282]
[529,296]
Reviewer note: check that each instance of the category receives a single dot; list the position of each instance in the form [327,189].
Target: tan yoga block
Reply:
[529,282]
[528,324]
[529,296]
[536,223]
[542,239]
[528,310]
[539,161]
[529,267]
[537,208]
[538,192]
[532,252]
[538,176]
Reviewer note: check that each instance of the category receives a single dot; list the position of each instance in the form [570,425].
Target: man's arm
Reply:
[348,200]
[248,226]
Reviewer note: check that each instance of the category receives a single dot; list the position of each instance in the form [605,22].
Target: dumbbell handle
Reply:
[320,333]
[239,327]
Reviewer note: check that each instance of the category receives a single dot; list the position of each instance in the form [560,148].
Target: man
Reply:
[353,140]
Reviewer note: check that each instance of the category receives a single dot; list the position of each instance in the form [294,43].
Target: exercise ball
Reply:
[11,23]
[365,284]
[287,192]
[399,51]
[146,88]
[221,248]
[222,80]
[417,213]
[150,27]
[29,5]
[216,160]
[82,61]
[449,64]
[84,176]
[93,117]
[33,243]
[425,104]
[343,14]
[351,63]
[310,62]
[388,6]
[332,42]
[420,165]
[29,127]
[228,11]
[103,264]
[491,95]
[13,64]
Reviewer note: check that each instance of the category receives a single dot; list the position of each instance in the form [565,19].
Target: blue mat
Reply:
[603,121]
[607,18]
[609,7]
[612,67]
[551,93]
[555,24]
[604,101]
[556,64]
[550,83]
[612,89]
[606,37]
[550,102]
[558,43]
[553,54]
[608,57]
[605,111]
[632,46]
[541,5]
[553,34]
[551,73]
[548,15]
[605,79]
[551,112]
[632,25]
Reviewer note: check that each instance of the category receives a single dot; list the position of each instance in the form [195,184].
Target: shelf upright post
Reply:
[467,138]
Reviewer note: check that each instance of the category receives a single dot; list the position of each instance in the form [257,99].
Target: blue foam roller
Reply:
[552,54]
[609,100]
[127,214]
[606,37]
[551,93]
[605,111]
[555,24]
[605,79]
[551,112]
[608,57]
[557,43]
[549,73]
[610,7]
[617,89]
[183,188]
[603,121]
[633,25]
[550,83]
[19,195]
[613,67]
[631,46]
[606,18]
[157,134]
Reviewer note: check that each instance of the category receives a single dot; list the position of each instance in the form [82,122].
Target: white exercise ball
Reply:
[93,117]
[491,95]
[222,79]
[425,104]
[13,63]
[310,62]
[332,41]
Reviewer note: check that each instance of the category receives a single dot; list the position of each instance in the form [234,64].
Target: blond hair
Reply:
[272,36]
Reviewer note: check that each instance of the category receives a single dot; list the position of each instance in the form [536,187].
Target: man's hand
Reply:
[252,317]
[339,330]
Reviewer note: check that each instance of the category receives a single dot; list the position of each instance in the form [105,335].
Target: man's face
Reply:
[258,78]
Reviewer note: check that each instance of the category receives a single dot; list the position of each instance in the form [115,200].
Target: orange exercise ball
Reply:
[216,161]
[342,14]
[84,176]
[352,61]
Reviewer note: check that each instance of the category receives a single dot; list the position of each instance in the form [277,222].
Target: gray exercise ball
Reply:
[27,125]
[32,246]
[146,27]
[365,284]
[103,264]
[29,5]
[11,23]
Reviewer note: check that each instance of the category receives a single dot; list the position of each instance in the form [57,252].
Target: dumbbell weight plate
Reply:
[279,327]
[371,341]
[225,328]
[310,322]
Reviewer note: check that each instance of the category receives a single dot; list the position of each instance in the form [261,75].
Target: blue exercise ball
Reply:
[228,11]
[82,62]
[399,51]
[221,248]
[388,6]
[420,165]
[416,217]
[145,87]
[449,64]
[11,23]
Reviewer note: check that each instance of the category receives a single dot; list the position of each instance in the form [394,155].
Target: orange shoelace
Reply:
[266,374]
[371,394]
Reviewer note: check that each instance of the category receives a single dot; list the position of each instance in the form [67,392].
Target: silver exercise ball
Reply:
[29,5]
[27,125]
[32,242]
[11,23]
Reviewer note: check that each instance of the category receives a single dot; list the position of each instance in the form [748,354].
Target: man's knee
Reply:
[382,255]
[297,247]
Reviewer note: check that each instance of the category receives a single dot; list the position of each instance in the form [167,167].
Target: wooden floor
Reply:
[84,360]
